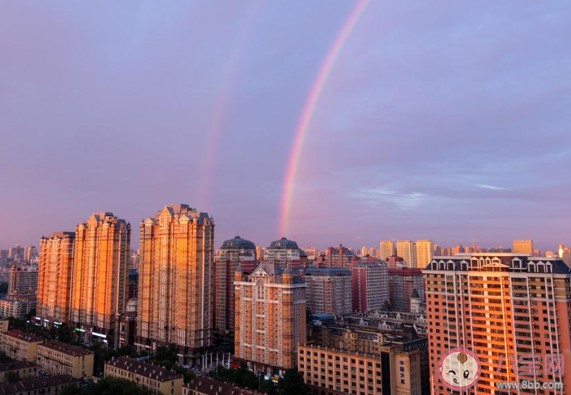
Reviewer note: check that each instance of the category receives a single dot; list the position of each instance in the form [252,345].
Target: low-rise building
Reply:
[60,358]
[362,360]
[23,369]
[154,378]
[41,385]
[20,345]
[17,306]
[205,386]
[4,324]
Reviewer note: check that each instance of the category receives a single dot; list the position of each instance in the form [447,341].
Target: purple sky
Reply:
[446,120]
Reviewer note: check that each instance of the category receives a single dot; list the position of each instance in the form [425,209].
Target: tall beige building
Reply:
[424,253]
[386,249]
[522,247]
[270,318]
[54,279]
[176,280]
[407,251]
[99,275]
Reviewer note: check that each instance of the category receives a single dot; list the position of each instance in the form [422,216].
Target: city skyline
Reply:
[433,121]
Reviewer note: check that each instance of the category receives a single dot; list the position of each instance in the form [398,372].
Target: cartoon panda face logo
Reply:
[459,369]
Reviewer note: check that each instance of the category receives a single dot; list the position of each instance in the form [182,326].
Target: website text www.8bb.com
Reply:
[530,385]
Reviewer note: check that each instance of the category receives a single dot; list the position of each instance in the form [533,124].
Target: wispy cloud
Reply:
[491,187]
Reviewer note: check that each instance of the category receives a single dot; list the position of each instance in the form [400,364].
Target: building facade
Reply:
[270,317]
[406,249]
[503,307]
[176,259]
[329,291]
[99,275]
[24,369]
[338,257]
[20,345]
[424,253]
[57,358]
[370,283]
[54,277]
[386,249]
[522,247]
[402,284]
[233,253]
[156,379]
[284,252]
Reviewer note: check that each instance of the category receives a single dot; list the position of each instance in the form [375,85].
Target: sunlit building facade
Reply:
[54,280]
[424,253]
[270,318]
[176,280]
[100,275]
[386,249]
[522,247]
[503,307]
[407,251]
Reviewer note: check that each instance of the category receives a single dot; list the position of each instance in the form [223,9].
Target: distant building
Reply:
[177,258]
[386,249]
[16,253]
[338,257]
[128,324]
[402,284]
[233,253]
[407,250]
[23,281]
[395,262]
[17,306]
[329,291]
[20,345]
[40,385]
[206,386]
[58,358]
[370,285]
[499,305]
[100,275]
[30,254]
[284,252]
[424,253]
[522,247]
[54,277]
[24,369]
[154,378]
[133,284]
[270,318]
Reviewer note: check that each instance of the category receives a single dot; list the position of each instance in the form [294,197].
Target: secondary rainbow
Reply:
[307,113]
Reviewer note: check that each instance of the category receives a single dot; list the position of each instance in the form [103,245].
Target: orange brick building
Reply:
[497,305]
[270,318]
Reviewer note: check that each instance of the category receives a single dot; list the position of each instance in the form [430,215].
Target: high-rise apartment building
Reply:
[284,252]
[505,308]
[370,283]
[386,249]
[233,253]
[176,279]
[402,284]
[16,253]
[407,251]
[54,280]
[522,247]
[338,257]
[329,291]
[30,254]
[270,318]
[424,253]
[23,281]
[99,275]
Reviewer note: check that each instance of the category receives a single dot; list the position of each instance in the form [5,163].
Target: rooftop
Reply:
[144,369]
[66,348]
[213,387]
[33,385]
[284,244]
[238,243]
[16,365]
[28,337]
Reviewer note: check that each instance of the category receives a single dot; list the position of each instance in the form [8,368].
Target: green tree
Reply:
[292,384]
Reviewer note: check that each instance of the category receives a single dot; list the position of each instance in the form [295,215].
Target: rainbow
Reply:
[307,113]
[228,81]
